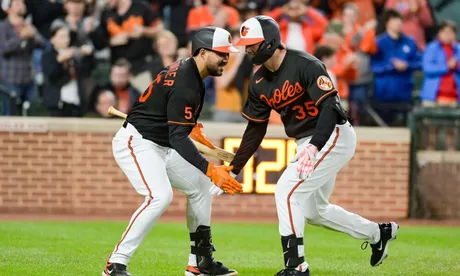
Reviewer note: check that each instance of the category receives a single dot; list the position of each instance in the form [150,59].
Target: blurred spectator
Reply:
[64,90]
[327,55]
[232,87]
[441,61]
[18,39]
[174,14]
[361,40]
[416,16]
[79,26]
[183,53]
[165,45]
[126,95]
[213,13]
[43,13]
[393,65]
[301,26]
[250,9]
[366,8]
[104,99]
[128,28]
[345,69]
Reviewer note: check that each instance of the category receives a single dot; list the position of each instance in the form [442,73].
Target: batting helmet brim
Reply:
[248,41]
[225,49]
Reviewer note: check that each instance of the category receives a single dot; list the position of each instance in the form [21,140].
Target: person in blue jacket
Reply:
[393,64]
[441,68]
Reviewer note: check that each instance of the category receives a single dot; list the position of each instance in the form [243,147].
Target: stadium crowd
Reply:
[75,58]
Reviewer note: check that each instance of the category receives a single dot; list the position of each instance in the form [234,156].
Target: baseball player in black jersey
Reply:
[297,86]
[155,152]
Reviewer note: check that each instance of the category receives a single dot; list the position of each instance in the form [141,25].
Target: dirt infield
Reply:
[179,218]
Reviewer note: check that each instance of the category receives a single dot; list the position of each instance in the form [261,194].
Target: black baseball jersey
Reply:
[175,97]
[295,91]
[138,14]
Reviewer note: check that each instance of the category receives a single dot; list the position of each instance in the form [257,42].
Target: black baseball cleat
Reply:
[388,233]
[213,269]
[292,272]
[115,270]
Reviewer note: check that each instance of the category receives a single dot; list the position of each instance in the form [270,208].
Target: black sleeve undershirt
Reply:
[180,141]
[327,120]
[252,138]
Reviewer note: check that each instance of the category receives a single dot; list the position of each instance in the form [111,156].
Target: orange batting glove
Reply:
[199,136]
[221,177]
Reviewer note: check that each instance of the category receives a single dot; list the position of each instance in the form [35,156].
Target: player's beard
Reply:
[216,69]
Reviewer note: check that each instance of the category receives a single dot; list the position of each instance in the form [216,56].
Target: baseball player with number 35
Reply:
[297,86]
[155,152]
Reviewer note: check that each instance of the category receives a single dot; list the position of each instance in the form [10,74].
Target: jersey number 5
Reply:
[188,113]
[148,92]
[308,107]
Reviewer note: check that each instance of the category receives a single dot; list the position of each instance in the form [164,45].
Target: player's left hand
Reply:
[199,136]
[306,163]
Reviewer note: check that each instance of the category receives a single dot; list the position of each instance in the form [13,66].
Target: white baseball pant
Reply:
[307,200]
[153,171]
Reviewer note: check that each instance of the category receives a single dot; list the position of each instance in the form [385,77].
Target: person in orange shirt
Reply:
[361,40]
[301,26]
[327,55]
[367,8]
[345,69]
[214,13]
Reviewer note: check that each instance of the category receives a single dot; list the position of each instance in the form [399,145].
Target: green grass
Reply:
[81,248]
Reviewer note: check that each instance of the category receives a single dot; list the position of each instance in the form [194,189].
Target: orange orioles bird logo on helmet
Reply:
[230,39]
[244,30]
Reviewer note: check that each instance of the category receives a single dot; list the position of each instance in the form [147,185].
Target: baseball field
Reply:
[81,248]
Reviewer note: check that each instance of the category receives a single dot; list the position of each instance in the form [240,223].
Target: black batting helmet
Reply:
[263,29]
[214,39]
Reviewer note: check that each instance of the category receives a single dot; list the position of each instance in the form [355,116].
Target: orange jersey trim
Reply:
[180,123]
[255,120]
[324,96]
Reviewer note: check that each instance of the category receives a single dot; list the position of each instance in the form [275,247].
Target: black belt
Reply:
[125,124]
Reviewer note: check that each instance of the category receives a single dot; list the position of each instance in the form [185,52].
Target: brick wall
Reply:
[65,166]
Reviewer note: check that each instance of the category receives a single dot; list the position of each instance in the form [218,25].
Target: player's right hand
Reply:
[220,175]
[199,136]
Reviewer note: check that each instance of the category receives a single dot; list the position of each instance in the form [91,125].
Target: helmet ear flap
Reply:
[265,51]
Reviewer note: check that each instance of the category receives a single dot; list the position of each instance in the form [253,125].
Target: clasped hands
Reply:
[222,178]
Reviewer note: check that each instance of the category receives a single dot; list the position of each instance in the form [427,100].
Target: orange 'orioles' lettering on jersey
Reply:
[288,93]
